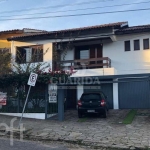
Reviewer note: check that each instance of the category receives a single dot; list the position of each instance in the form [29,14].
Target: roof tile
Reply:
[140,28]
[72,30]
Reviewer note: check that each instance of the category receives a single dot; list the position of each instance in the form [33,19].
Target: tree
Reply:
[5,63]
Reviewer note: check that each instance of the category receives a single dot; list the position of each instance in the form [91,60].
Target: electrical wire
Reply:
[126,4]
[56,6]
[74,15]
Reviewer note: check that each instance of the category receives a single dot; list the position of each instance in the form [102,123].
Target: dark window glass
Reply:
[136,45]
[84,54]
[37,54]
[145,43]
[20,55]
[87,97]
[127,45]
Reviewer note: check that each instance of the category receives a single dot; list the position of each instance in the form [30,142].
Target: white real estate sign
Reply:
[32,79]
[52,93]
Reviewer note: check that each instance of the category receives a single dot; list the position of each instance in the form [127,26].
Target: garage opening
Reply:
[134,94]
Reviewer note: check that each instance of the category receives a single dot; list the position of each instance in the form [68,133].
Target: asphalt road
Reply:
[27,145]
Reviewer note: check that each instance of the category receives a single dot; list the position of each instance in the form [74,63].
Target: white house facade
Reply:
[116,55]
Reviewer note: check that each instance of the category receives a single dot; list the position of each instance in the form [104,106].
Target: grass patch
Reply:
[129,117]
[82,120]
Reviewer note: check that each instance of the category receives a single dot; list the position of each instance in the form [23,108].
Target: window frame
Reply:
[32,47]
[144,45]
[17,59]
[125,48]
[88,51]
[134,44]
[38,55]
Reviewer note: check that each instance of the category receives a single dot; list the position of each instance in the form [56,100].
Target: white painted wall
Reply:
[122,62]
[131,62]
[95,72]
[26,115]
[115,95]
[80,91]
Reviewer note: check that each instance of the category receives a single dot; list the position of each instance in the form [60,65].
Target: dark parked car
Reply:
[93,102]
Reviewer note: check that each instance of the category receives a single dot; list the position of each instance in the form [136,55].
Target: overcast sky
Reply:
[134,18]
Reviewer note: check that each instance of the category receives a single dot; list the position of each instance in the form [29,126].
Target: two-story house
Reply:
[115,55]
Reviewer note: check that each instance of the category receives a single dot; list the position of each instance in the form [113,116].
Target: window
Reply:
[88,52]
[127,45]
[84,54]
[37,54]
[29,54]
[20,55]
[145,43]
[136,45]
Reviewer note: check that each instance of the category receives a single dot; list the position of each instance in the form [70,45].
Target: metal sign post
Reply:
[31,82]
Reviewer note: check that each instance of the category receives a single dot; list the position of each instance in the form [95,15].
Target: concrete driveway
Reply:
[93,131]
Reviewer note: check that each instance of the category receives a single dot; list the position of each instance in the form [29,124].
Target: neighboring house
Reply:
[6,45]
[118,55]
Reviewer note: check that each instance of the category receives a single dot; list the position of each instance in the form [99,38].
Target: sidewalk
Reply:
[93,131]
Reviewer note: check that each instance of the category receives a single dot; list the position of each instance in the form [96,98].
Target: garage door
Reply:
[134,95]
[106,88]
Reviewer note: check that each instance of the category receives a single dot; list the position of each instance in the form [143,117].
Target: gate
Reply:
[134,95]
[15,99]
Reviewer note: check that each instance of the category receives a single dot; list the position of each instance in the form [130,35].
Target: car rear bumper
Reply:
[91,110]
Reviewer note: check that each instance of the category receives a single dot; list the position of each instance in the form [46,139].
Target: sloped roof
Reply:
[95,27]
[24,30]
[134,29]
[110,25]
[11,31]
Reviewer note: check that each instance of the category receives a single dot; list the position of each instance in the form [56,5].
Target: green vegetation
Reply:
[130,116]
[5,63]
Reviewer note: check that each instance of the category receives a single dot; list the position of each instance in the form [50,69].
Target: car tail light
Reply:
[102,102]
[79,103]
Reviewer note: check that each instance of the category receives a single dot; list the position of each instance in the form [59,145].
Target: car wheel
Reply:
[105,114]
[80,115]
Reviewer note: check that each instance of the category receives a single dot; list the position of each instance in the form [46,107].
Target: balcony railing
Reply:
[103,62]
